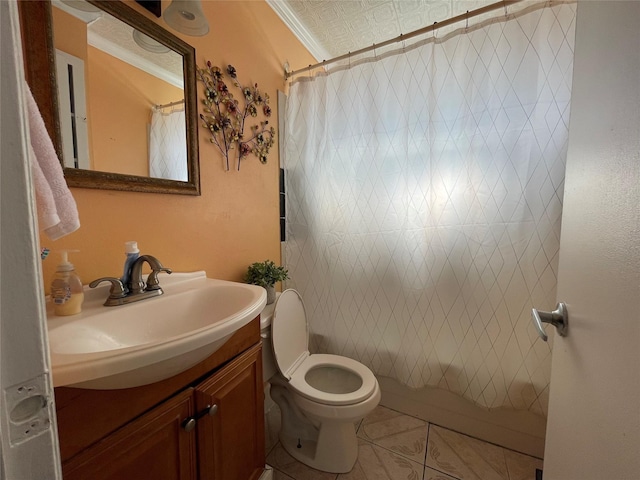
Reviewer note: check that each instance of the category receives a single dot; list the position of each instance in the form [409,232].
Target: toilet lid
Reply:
[289,332]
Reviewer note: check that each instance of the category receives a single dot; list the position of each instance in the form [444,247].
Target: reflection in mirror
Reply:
[120,96]
[122,82]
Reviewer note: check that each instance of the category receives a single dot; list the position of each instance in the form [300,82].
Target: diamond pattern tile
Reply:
[424,202]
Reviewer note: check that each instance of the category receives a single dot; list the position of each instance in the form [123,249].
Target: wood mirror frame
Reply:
[39,58]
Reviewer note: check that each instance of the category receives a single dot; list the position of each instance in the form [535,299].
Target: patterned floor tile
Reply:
[357,424]
[464,457]
[271,428]
[376,463]
[397,432]
[431,474]
[392,446]
[280,460]
[521,467]
[278,475]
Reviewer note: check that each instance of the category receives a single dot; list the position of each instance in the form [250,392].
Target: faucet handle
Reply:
[117,290]
[152,279]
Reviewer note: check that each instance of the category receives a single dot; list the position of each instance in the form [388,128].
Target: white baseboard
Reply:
[517,430]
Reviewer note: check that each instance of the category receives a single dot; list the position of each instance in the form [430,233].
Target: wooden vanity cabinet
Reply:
[153,446]
[229,444]
[226,444]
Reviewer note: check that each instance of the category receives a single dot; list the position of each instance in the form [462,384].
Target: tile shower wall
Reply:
[445,302]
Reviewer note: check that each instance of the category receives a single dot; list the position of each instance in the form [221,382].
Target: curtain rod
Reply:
[172,104]
[465,16]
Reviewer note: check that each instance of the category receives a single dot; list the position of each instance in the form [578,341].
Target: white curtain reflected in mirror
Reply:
[167,143]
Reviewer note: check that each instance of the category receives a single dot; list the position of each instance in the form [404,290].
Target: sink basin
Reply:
[150,340]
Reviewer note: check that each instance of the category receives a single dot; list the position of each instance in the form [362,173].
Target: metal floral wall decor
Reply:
[224,116]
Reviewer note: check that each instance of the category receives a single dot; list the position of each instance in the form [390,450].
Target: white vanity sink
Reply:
[150,340]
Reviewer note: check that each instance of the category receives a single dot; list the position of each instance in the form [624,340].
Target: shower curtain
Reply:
[424,200]
[168,145]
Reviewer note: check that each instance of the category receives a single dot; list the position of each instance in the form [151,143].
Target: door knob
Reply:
[559,318]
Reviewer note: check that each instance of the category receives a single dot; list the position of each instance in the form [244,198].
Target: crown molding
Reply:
[290,19]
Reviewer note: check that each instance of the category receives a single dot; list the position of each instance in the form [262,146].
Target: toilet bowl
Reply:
[320,396]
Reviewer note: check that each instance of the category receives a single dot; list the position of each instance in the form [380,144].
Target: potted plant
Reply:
[266,274]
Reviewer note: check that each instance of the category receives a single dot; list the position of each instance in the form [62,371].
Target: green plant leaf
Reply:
[265,273]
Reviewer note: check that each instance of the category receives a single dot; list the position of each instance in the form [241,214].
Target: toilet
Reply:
[320,396]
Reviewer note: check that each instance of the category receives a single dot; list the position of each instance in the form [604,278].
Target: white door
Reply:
[28,435]
[72,102]
[593,429]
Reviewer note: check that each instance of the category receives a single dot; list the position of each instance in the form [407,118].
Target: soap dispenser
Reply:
[67,293]
[132,253]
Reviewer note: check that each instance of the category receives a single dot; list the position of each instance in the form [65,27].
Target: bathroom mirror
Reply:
[134,71]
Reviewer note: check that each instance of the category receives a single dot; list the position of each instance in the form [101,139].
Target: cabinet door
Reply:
[231,441]
[153,447]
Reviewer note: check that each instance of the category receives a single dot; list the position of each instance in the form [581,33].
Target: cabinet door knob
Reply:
[189,424]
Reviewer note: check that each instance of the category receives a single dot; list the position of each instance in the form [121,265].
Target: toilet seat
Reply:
[300,384]
[290,339]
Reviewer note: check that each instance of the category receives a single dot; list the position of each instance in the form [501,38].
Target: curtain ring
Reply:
[466,26]
[375,54]
[309,71]
[506,13]
[349,59]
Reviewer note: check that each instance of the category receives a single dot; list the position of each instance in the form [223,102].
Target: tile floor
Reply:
[394,446]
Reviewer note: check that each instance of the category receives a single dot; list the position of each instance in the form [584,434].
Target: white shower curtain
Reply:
[424,199]
[168,145]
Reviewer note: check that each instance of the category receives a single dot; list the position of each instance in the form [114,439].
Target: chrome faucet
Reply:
[137,289]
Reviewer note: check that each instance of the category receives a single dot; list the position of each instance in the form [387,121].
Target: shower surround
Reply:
[424,202]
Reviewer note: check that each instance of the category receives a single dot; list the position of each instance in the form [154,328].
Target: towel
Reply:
[57,210]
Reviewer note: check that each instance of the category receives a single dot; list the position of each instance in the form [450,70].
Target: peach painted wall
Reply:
[70,34]
[236,219]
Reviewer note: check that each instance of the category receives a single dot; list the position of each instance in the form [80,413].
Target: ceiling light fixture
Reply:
[186,16]
[148,43]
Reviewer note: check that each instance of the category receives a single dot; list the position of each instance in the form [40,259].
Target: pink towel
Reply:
[57,210]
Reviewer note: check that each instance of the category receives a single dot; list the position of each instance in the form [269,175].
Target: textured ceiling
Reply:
[335,27]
